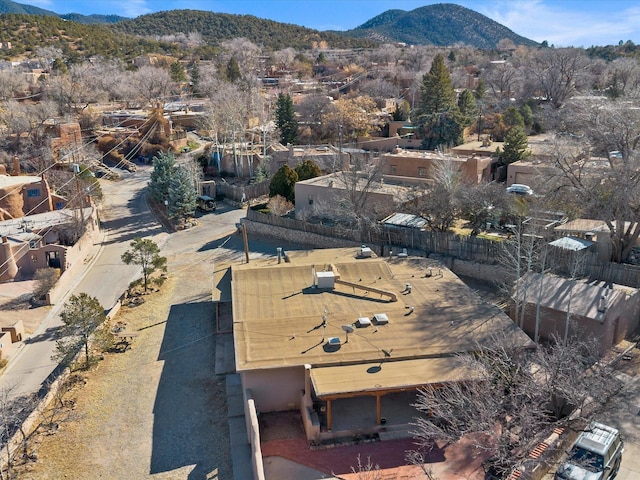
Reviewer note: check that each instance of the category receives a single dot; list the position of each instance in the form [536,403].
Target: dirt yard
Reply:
[157,410]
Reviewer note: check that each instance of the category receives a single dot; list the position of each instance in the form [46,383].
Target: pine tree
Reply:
[146,254]
[286,120]
[283,183]
[233,70]
[181,195]
[307,169]
[177,71]
[516,147]
[468,107]
[438,118]
[513,118]
[80,316]
[163,167]
[436,93]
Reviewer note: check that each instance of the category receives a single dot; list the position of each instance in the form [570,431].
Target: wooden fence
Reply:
[469,248]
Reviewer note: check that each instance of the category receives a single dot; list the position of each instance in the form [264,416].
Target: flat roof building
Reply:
[331,325]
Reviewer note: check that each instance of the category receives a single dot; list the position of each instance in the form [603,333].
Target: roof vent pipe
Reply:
[279,250]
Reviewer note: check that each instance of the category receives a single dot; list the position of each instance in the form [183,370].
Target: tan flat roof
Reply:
[343,380]
[278,316]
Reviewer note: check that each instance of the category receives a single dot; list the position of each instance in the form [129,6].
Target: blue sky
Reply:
[560,22]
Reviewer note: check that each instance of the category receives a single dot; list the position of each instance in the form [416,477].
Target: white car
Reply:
[596,455]
[520,189]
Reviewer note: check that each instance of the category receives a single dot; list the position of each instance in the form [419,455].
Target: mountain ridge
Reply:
[442,24]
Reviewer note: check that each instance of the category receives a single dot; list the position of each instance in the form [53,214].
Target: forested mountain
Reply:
[7,6]
[29,32]
[443,24]
[217,27]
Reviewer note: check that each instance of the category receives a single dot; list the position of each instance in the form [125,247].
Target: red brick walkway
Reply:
[455,462]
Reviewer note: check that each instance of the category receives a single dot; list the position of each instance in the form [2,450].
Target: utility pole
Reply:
[76,171]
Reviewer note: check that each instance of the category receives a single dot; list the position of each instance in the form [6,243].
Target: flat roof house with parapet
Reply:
[347,338]
[606,313]
[328,194]
[419,164]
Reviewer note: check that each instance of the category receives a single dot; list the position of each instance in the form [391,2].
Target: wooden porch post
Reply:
[328,414]
[378,409]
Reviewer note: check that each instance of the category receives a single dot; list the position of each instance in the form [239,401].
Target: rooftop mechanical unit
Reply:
[363,322]
[380,319]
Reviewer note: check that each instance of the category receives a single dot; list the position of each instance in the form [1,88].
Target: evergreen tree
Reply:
[436,93]
[512,118]
[527,115]
[516,147]
[286,120]
[307,169]
[468,107]
[233,70]
[481,90]
[146,254]
[438,117]
[182,195]
[163,167]
[283,183]
[80,317]
[177,71]
[194,74]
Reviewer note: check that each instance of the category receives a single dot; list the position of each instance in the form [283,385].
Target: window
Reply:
[59,205]
[33,244]
[33,192]
[422,171]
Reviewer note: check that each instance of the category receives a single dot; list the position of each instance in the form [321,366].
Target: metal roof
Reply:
[571,243]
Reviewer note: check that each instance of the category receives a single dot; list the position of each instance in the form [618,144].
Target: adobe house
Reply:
[347,338]
[323,194]
[22,195]
[327,157]
[44,240]
[419,164]
[607,313]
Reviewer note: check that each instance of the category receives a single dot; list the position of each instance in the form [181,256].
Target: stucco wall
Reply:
[75,258]
[296,236]
[275,390]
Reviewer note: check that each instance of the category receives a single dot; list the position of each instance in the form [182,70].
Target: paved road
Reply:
[124,217]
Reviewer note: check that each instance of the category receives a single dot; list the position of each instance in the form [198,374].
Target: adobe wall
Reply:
[275,390]
[75,260]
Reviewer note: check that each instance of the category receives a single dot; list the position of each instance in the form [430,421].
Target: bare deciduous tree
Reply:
[515,398]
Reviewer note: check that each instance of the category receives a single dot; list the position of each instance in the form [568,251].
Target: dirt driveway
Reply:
[157,410]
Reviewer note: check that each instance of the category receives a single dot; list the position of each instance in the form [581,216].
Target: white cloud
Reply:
[127,8]
[568,24]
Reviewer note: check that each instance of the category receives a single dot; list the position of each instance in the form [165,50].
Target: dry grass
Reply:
[120,429]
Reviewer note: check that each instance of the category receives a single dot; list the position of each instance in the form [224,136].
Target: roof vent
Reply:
[363,322]
[380,319]
[334,341]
